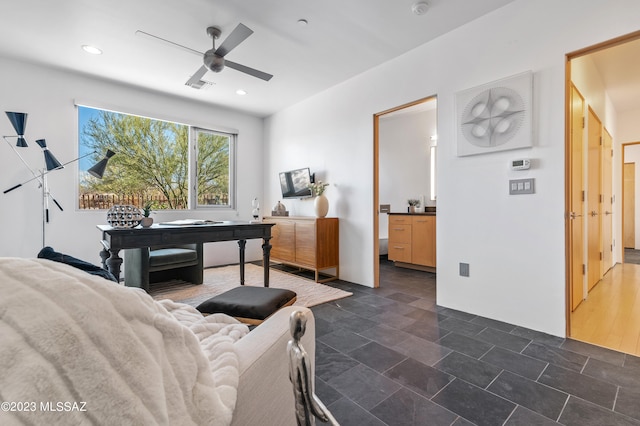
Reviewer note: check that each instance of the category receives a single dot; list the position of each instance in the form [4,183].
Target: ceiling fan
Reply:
[215,59]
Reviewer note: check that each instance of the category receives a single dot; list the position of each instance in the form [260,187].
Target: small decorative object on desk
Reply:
[124,216]
[147,221]
[413,204]
[255,213]
[279,210]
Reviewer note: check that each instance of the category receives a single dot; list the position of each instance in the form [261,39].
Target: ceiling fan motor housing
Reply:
[213,62]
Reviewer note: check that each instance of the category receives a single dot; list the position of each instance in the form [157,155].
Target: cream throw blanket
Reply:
[78,349]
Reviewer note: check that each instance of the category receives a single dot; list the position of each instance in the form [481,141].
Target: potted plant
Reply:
[413,204]
[147,221]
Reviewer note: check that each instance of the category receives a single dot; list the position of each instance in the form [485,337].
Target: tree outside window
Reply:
[152,162]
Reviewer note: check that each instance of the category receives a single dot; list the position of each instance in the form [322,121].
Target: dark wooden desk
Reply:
[116,239]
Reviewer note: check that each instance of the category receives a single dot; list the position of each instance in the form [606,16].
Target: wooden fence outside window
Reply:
[106,201]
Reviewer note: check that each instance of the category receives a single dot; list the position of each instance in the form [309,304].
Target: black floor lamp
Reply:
[51,163]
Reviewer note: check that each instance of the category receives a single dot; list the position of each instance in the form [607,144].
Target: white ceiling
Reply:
[343,38]
[619,68]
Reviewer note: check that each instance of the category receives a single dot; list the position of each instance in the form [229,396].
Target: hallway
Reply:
[610,317]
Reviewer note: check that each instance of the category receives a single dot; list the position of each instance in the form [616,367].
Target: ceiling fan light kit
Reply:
[212,61]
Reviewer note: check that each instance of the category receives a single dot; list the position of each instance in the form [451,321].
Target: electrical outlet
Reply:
[464,269]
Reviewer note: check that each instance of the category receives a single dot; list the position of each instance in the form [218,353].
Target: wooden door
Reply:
[629,213]
[576,200]
[607,201]
[283,240]
[423,240]
[306,247]
[594,196]
[327,242]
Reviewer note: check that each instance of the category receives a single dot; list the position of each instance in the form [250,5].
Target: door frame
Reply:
[571,207]
[567,156]
[376,180]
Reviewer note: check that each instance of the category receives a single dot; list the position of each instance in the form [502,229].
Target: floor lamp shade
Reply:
[19,122]
[50,161]
[98,169]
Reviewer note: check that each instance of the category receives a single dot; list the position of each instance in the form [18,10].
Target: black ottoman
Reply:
[248,304]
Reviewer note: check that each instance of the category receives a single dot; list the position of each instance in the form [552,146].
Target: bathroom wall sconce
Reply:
[432,172]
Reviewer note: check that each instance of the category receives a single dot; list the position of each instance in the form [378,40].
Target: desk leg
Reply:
[113,263]
[104,255]
[266,249]
[242,244]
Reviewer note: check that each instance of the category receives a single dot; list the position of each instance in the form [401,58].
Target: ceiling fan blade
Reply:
[237,36]
[154,37]
[197,76]
[248,70]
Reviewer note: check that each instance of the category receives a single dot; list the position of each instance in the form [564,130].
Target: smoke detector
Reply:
[420,8]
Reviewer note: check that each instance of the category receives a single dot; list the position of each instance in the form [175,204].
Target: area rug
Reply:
[221,279]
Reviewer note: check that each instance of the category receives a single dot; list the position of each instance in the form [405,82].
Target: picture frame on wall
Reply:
[495,116]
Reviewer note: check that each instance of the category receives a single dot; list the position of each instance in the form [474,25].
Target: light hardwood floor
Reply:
[610,316]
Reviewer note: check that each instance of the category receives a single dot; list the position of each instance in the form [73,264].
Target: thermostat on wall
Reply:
[522,164]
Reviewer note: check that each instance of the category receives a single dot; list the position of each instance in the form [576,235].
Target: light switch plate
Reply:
[521,186]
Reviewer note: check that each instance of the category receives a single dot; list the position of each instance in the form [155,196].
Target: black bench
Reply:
[248,304]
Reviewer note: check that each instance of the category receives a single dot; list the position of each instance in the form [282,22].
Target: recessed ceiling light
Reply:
[420,8]
[91,49]
[302,22]
[241,92]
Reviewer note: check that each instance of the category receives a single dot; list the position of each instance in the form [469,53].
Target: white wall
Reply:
[514,244]
[629,126]
[48,95]
[404,167]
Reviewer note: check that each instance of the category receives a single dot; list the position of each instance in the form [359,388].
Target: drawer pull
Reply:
[399,248]
[399,229]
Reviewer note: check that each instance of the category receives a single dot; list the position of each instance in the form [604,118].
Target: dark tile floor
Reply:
[391,356]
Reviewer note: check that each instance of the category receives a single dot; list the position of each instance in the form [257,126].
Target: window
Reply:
[153,163]
[214,167]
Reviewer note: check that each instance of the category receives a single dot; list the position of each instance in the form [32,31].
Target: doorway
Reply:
[629,200]
[404,165]
[597,279]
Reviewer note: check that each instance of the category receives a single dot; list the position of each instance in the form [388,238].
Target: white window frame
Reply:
[193,169]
